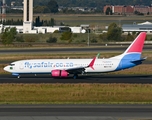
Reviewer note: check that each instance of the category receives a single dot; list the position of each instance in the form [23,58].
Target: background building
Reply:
[3,9]
[28,17]
[121,9]
[146,26]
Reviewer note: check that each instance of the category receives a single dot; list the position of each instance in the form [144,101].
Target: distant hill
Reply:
[88,3]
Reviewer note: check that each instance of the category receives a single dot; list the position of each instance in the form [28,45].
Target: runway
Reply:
[102,79]
[76,112]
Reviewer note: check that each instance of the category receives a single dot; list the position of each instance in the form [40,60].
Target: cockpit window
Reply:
[12,64]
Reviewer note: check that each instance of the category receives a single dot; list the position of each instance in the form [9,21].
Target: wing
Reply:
[80,70]
[77,70]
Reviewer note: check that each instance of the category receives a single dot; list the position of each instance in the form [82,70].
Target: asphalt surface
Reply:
[102,79]
[75,112]
[63,50]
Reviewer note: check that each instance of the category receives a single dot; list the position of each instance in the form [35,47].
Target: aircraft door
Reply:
[21,66]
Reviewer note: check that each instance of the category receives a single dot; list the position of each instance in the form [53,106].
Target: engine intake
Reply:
[59,73]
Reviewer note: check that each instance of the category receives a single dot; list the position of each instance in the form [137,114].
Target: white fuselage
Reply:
[47,65]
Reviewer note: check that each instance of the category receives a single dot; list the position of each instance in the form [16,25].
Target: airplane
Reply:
[62,68]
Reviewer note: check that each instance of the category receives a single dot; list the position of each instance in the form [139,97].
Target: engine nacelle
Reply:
[59,73]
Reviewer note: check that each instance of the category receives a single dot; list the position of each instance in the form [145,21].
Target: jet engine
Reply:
[59,73]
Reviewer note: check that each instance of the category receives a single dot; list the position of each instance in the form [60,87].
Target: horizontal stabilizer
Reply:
[139,61]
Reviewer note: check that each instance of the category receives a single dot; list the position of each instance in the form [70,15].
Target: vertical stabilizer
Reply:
[137,44]
[132,56]
[135,49]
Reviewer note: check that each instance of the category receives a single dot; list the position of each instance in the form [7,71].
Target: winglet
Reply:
[92,63]
[98,55]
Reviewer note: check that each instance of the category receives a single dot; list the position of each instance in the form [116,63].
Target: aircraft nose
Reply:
[6,68]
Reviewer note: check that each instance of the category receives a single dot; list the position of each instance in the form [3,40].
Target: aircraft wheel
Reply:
[75,76]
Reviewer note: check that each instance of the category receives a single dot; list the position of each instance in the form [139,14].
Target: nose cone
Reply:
[6,68]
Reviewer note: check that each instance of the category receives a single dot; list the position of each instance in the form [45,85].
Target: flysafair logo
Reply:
[46,64]
[107,61]
[37,64]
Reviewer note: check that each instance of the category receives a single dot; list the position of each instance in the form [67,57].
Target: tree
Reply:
[52,22]
[108,11]
[114,32]
[8,36]
[38,22]
[53,6]
[129,37]
[41,9]
[51,40]
[138,13]
[89,3]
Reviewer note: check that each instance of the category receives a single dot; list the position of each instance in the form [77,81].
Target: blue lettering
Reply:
[71,64]
[67,64]
[34,65]
[61,64]
[28,65]
[49,64]
[42,64]
[38,65]
[45,65]
[57,64]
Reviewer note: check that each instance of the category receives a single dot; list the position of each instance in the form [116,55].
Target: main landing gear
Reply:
[75,76]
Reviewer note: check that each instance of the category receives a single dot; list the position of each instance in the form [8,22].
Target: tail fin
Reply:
[137,44]
[135,49]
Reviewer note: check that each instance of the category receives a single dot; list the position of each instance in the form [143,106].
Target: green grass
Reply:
[12,57]
[92,19]
[75,93]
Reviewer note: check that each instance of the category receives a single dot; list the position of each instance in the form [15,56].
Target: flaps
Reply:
[75,70]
